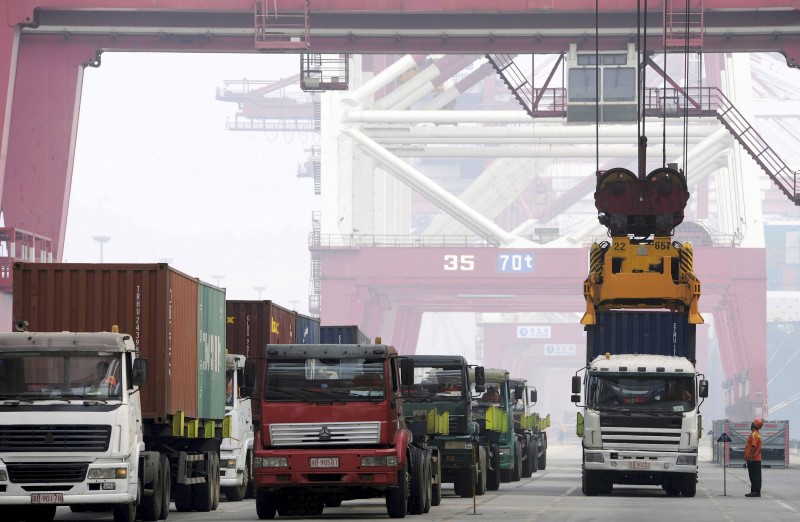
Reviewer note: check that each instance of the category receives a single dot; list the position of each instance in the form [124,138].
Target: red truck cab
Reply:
[331,429]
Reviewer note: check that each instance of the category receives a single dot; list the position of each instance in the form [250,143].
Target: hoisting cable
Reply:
[686,96]
[642,55]
[597,86]
[639,87]
[664,100]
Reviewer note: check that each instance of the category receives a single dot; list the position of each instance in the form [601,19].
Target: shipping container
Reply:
[342,335]
[176,323]
[306,329]
[653,333]
[250,327]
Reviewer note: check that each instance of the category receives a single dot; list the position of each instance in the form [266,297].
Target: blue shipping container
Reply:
[342,335]
[651,333]
[306,329]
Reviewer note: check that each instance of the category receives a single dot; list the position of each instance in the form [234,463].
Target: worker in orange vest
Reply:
[752,456]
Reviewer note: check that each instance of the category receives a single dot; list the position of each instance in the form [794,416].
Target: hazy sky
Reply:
[157,171]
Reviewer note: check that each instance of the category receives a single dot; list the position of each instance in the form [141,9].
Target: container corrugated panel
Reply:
[342,335]
[211,352]
[652,333]
[157,305]
[281,326]
[306,329]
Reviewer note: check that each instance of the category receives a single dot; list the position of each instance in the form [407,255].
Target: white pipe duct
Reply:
[380,80]
[436,194]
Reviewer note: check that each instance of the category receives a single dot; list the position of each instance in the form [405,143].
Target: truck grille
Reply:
[37,473]
[325,434]
[81,438]
[640,433]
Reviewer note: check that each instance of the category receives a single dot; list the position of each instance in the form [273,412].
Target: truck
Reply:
[493,411]
[641,419]
[438,409]
[236,450]
[529,427]
[332,430]
[112,392]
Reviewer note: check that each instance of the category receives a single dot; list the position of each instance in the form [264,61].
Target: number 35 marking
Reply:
[454,262]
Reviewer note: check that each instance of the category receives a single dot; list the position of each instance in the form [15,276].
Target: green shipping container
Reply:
[211,352]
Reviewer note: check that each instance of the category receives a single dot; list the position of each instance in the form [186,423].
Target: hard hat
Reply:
[758,423]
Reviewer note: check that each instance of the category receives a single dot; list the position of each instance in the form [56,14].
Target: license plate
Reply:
[325,462]
[639,464]
[47,498]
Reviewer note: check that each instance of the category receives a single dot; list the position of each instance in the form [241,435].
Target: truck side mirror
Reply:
[533,396]
[480,376]
[407,371]
[139,372]
[519,392]
[575,397]
[249,374]
[245,391]
[703,391]
[576,384]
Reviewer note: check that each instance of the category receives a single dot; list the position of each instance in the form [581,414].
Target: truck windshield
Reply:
[492,396]
[436,383]
[69,375]
[325,379]
[646,393]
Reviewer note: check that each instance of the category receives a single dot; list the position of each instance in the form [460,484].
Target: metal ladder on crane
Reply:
[537,102]
[683,26]
[276,31]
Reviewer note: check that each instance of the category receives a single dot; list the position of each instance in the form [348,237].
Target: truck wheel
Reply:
[203,493]
[151,505]
[534,456]
[464,483]
[251,483]
[266,506]
[590,484]
[397,498]
[333,502]
[215,485]
[493,476]
[436,488]
[166,487]
[183,497]
[542,460]
[516,474]
[480,481]
[416,499]
[37,513]
[607,487]
[689,486]
[428,481]
[122,512]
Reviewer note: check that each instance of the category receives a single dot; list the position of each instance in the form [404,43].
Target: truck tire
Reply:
[493,475]
[689,486]
[397,498]
[480,478]
[166,487]
[534,456]
[122,512]
[590,484]
[516,473]
[542,460]
[215,489]
[333,502]
[416,499]
[428,481]
[32,513]
[183,497]
[266,507]
[436,487]
[150,508]
[251,483]
[203,493]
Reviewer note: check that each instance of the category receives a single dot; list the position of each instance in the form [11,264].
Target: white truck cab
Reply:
[236,458]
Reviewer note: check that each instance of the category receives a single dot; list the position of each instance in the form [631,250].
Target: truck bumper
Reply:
[348,473]
[639,462]
[80,493]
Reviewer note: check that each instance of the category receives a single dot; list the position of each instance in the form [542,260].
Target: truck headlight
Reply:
[379,461]
[271,462]
[595,457]
[688,460]
[457,445]
[3,475]
[107,473]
